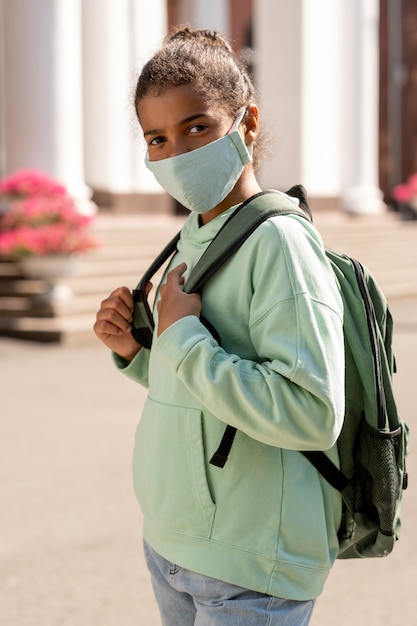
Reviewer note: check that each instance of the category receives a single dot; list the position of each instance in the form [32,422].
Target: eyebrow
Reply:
[186,120]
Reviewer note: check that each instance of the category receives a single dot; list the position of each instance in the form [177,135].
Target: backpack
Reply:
[373,442]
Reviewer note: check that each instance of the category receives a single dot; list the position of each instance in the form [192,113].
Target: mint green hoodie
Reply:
[267,521]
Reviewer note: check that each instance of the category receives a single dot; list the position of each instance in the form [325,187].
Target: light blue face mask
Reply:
[202,178]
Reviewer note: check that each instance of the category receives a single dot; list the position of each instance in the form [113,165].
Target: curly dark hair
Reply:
[201,57]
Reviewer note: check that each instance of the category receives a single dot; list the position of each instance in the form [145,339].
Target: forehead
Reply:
[175,104]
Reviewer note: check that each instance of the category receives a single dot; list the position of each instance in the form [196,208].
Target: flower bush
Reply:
[40,218]
[30,183]
[406,193]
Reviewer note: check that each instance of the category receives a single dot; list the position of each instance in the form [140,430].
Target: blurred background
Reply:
[337,82]
[337,86]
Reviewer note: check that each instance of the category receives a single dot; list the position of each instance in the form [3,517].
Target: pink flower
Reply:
[406,191]
[27,182]
[401,193]
[49,239]
[39,210]
[41,218]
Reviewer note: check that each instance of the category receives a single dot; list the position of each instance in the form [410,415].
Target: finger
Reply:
[114,309]
[103,327]
[117,309]
[112,321]
[120,298]
[176,274]
[125,295]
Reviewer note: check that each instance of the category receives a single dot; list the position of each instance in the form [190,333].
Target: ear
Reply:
[251,122]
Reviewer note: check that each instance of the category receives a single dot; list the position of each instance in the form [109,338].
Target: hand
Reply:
[113,321]
[174,303]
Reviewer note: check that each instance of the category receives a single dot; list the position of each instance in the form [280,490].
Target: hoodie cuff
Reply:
[136,369]
[177,341]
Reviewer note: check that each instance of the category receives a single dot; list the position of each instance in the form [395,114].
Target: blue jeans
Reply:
[188,599]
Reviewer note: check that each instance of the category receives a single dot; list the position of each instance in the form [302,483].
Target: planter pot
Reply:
[51,268]
[408,210]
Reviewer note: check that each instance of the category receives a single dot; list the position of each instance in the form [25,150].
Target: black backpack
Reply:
[374,440]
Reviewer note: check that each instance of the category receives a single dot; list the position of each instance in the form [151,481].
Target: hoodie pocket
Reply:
[169,470]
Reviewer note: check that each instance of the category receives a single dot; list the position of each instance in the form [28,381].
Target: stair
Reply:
[128,245]
[386,244]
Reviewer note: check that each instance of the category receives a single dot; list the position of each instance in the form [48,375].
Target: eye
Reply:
[197,128]
[156,141]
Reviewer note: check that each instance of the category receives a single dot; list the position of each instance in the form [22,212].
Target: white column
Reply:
[150,21]
[317,76]
[3,161]
[42,82]
[67,85]
[106,37]
[277,35]
[322,80]
[298,58]
[28,114]
[361,193]
[207,14]
[119,36]
[213,15]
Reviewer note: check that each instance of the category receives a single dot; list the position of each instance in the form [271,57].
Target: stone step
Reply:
[385,244]
[128,245]
[65,329]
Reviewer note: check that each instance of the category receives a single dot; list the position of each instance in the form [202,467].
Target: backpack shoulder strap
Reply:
[162,257]
[237,228]
[142,326]
[233,233]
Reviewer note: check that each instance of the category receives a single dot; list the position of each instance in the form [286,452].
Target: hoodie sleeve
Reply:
[137,368]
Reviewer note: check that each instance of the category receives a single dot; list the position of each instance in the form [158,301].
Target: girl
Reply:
[251,543]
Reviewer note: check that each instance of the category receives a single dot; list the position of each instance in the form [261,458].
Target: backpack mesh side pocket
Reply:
[376,483]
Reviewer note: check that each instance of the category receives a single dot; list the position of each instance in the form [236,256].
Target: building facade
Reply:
[338,106]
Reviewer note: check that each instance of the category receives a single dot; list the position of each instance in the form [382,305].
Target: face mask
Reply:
[202,178]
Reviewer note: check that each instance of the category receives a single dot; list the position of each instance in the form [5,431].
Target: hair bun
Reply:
[210,37]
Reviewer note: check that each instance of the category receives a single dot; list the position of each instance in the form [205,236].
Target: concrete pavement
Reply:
[70,528]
